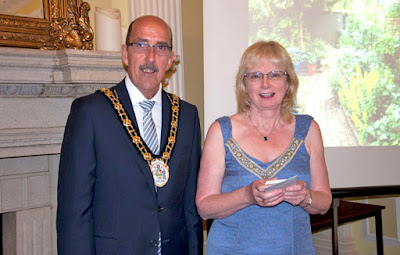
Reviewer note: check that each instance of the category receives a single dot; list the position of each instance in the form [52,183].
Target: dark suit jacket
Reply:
[107,202]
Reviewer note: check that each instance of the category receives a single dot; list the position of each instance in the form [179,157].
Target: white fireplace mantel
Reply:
[37,88]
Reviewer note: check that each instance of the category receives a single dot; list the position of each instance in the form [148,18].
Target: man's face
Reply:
[146,70]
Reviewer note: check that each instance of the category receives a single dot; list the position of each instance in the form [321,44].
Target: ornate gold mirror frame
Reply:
[65,25]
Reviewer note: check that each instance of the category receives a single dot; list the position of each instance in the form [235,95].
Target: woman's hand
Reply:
[257,195]
[297,193]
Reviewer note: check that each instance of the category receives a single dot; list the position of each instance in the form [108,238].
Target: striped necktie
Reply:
[150,138]
[149,128]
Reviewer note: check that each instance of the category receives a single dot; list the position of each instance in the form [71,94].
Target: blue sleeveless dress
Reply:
[280,230]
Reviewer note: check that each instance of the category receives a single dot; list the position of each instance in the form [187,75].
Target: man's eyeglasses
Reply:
[141,48]
[256,77]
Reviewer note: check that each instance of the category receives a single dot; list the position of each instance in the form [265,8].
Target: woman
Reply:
[264,140]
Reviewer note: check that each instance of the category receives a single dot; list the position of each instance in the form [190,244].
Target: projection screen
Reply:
[352,90]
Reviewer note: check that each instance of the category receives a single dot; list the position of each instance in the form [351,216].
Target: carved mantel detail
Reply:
[48,90]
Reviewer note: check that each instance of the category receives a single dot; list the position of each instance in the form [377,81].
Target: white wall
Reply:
[225,39]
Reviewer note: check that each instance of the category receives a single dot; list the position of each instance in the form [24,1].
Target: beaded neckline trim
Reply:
[254,168]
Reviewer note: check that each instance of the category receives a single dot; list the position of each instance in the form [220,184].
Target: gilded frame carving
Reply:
[65,25]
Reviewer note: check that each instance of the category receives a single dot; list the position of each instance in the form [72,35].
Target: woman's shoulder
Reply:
[303,117]
[222,119]
[230,120]
[314,136]
[238,118]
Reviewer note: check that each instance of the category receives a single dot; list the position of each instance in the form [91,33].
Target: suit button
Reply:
[160,209]
[154,243]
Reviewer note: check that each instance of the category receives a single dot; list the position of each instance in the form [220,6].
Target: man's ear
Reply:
[124,53]
[170,60]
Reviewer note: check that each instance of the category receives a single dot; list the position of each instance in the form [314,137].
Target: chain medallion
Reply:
[158,166]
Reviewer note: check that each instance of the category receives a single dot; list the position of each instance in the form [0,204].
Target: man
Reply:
[118,191]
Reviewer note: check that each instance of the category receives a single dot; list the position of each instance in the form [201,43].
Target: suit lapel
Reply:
[166,120]
[125,100]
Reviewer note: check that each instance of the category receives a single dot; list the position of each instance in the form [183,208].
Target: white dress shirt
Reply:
[136,96]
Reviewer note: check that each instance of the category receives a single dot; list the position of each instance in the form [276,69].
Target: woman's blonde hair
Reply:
[277,55]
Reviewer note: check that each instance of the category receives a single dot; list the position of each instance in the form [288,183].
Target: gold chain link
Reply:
[136,139]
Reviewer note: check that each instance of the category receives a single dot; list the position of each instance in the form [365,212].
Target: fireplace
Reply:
[37,88]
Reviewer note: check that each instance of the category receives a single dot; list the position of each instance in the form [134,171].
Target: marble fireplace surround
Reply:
[37,88]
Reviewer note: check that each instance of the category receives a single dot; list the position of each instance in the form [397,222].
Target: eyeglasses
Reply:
[256,77]
[141,48]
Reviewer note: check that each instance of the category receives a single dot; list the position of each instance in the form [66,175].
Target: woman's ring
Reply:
[262,201]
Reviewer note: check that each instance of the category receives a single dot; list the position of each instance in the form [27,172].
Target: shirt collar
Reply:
[136,96]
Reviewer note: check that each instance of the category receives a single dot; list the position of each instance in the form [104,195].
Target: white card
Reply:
[280,184]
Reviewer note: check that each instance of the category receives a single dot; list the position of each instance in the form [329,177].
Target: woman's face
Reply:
[266,91]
